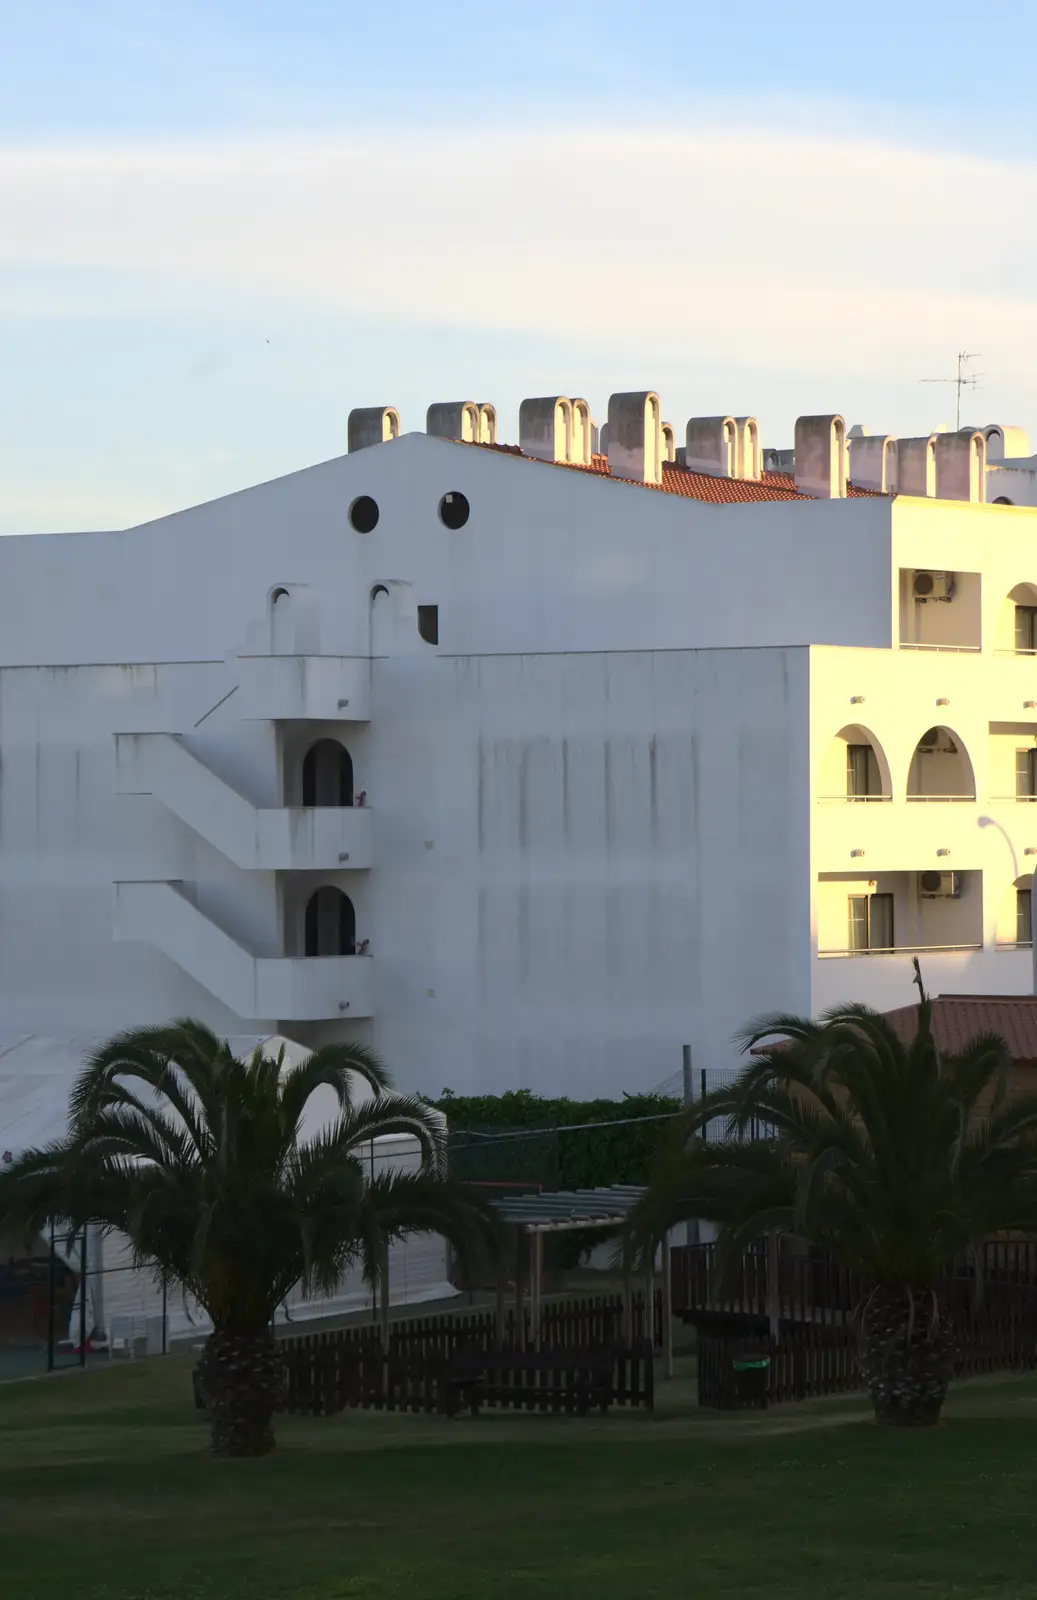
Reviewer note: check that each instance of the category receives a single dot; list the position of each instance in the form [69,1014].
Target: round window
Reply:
[363,514]
[454,510]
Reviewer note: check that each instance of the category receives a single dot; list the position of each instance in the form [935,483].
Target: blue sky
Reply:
[223,225]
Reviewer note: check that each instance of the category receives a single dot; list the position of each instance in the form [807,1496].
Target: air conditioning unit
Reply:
[936,742]
[939,885]
[933,586]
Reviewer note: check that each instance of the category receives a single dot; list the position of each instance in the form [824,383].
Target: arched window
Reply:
[330,924]
[327,775]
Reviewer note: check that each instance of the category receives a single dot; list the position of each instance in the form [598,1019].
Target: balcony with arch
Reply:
[899,812]
[854,768]
[1016,628]
[940,769]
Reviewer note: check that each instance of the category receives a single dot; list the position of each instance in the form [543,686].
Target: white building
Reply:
[604,715]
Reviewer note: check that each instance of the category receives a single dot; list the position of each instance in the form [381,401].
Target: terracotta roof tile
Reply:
[959,1018]
[694,485]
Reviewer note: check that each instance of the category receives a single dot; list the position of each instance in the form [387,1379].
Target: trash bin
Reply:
[752,1380]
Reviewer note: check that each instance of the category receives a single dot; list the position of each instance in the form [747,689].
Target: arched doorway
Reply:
[330,924]
[327,775]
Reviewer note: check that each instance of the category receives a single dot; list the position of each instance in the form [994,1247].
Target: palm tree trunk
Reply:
[241,1375]
[906,1355]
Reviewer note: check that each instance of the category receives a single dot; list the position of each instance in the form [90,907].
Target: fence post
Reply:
[773,1286]
[536,1245]
[648,1326]
[520,1292]
[691,1228]
[52,1285]
[82,1300]
[667,1297]
[500,1317]
[626,1325]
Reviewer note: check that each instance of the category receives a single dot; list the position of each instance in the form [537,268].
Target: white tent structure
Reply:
[36,1076]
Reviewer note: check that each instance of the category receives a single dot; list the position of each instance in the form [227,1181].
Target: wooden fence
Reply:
[811,1360]
[815,1352]
[812,1288]
[347,1367]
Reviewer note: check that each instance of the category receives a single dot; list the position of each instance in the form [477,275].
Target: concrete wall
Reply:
[550,559]
[573,855]
[584,862]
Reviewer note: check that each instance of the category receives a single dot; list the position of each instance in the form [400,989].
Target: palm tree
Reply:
[895,1158]
[196,1155]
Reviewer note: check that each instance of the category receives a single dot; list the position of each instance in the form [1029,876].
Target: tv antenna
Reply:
[961,381]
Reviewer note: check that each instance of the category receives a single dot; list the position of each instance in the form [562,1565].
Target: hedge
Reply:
[548,1144]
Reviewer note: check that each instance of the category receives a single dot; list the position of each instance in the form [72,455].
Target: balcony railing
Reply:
[899,950]
[945,799]
[852,799]
[967,649]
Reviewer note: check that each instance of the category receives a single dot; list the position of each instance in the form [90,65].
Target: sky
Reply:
[225,224]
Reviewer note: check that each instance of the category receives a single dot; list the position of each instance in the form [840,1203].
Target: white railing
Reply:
[1011,799]
[961,799]
[852,799]
[1001,651]
[899,950]
[1014,944]
[968,649]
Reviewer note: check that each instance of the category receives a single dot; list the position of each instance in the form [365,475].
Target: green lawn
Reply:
[106,1494]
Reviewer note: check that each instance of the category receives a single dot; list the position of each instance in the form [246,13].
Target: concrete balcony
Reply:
[304,688]
[898,835]
[255,988]
[289,839]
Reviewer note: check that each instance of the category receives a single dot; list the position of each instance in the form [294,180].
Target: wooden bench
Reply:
[533,1380]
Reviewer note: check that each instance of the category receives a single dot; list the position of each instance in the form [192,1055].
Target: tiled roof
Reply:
[959,1018]
[695,485]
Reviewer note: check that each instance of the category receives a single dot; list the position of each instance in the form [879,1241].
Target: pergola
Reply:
[567,1211]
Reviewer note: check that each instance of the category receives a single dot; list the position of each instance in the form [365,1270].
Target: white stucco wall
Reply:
[596,829]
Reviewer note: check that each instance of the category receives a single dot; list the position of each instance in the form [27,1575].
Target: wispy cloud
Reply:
[777,265]
[786,250]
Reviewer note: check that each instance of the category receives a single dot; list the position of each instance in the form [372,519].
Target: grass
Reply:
[106,1494]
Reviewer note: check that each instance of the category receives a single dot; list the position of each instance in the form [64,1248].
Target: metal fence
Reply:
[64,1305]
